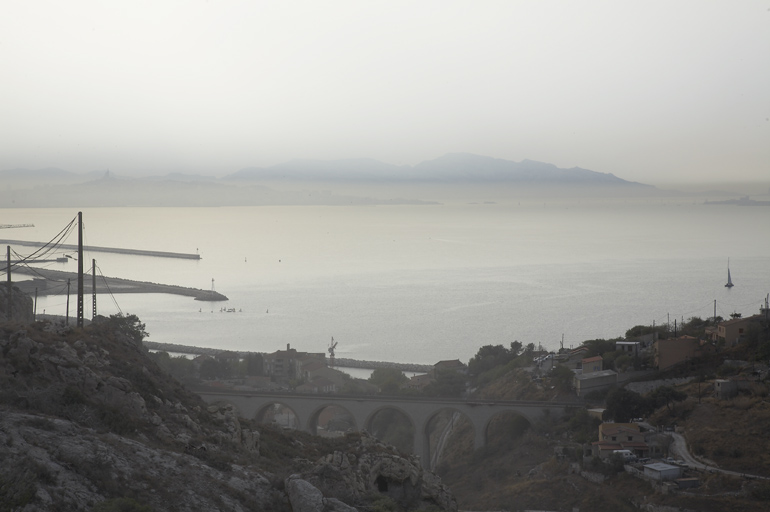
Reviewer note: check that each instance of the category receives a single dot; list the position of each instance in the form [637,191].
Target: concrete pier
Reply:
[115,250]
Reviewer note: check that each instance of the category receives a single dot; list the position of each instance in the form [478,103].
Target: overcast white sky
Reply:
[652,91]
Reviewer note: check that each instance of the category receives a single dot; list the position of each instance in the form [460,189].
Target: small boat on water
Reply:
[729,280]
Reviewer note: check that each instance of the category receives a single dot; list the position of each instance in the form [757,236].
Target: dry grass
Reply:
[735,434]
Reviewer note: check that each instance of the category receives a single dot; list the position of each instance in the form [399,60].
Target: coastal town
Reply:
[617,383]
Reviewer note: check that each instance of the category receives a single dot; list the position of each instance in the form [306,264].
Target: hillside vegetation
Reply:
[539,466]
[89,422]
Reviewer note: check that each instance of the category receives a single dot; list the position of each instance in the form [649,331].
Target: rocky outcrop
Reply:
[20,305]
[247,439]
[305,497]
[374,468]
[54,464]
[86,417]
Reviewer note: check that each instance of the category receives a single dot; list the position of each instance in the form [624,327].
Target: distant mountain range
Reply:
[307,182]
[453,167]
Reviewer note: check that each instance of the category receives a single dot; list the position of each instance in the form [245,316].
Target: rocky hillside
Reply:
[540,466]
[89,422]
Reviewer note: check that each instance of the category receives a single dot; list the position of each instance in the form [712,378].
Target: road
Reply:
[679,447]
[442,440]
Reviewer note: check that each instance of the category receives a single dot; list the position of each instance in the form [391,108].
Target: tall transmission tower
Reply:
[80,270]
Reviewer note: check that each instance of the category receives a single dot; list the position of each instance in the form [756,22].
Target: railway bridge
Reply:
[362,409]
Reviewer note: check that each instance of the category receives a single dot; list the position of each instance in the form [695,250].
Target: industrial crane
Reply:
[332,346]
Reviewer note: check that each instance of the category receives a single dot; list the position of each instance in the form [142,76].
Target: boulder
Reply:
[303,496]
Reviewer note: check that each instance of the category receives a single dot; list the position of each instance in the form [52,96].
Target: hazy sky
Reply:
[652,91]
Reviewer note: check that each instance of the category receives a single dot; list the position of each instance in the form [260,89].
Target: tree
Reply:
[666,395]
[623,404]
[623,361]
[529,350]
[562,378]
[389,380]
[583,425]
[128,325]
[641,330]
[447,383]
[488,357]
[599,347]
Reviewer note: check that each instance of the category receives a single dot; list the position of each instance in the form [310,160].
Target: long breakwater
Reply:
[115,250]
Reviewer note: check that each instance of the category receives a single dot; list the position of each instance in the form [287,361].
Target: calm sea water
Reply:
[422,283]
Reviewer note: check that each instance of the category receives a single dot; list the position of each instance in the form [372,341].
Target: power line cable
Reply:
[104,279]
[44,250]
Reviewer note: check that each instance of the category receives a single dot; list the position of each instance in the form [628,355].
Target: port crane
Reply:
[332,346]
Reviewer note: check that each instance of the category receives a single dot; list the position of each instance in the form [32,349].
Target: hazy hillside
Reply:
[315,182]
[453,167]
[172,191]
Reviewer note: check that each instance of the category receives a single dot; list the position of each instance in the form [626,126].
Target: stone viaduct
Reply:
[362,409]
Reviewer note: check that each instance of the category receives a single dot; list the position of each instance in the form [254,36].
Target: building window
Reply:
[614,438]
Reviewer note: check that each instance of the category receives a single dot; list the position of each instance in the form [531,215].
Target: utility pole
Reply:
[715,311]
[10,286]
[80,270]
[34,309]
[67,317]
[93,315]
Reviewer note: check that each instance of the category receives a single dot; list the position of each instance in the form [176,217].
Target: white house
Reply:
[662,471]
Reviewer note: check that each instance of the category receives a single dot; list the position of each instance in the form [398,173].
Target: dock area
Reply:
[114,250]
[53,282]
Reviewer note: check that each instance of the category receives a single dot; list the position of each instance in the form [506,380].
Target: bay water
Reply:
[420,283]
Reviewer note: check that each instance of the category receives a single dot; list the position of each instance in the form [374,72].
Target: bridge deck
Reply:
[363,408]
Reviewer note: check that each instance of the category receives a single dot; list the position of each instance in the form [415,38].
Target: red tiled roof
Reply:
[449,364]
[618,429]
[592,359]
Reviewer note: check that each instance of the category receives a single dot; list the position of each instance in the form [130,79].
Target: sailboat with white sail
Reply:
[729,279]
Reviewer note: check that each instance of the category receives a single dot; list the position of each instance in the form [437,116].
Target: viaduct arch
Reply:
[362,409]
